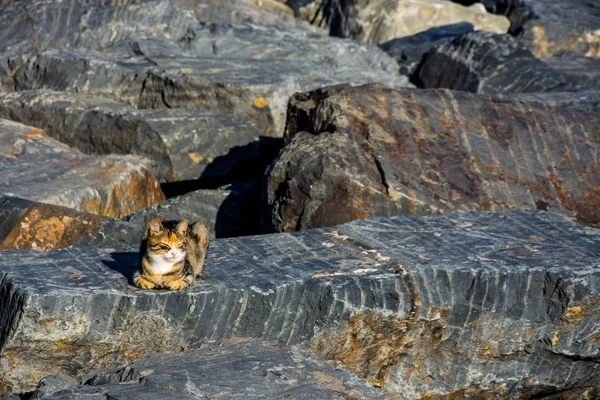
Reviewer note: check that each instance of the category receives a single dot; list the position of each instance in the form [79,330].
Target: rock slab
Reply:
[182,144]
[355,152]
[38,168]
[487,63]
[247,369]
[494,297]
[158,55]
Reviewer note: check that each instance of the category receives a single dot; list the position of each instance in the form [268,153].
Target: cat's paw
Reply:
[178,284]
[144,283]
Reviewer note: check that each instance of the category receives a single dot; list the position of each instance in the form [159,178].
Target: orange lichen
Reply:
[260,102]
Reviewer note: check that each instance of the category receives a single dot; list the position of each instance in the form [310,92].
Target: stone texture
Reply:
[355,152]
[421,306]
[38,168]
[182,144]
[580,72]
[409,51]
[30,225]
[230,211]
[384,20]
[482,62]
[583,100]
[156,54]
[248,369]
[563,26]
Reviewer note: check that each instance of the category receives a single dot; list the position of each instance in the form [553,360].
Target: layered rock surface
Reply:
[483,62]
[409,51]
[397,301]
[241,369]
[156,54]
[355,152]
[380,21]
[563,26]
[230,211]
[38,168]
[181,143]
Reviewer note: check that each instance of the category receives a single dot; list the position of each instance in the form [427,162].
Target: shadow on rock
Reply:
[239,214]
[240,164]
[124,262]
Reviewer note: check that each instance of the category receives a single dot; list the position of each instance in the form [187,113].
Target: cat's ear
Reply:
[182,227]
[155,226]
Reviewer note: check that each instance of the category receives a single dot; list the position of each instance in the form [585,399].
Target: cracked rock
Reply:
[355,152]
[483,302]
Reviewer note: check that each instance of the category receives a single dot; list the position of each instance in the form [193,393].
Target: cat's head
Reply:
[165,244]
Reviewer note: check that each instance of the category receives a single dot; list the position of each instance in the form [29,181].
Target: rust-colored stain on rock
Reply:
[45,227]
[260,102]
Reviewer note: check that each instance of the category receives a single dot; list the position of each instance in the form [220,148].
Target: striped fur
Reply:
[171,257]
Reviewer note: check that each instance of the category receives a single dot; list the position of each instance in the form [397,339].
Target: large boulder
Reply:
[31,225]
[156,54]
[488,63]
[38,168]
[233,210]
[381,21]
[409,51]
[355,152]
[482,303]
[182,144]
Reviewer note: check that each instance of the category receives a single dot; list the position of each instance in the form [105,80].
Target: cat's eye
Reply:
[181,246]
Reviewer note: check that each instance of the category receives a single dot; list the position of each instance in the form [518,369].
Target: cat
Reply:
[171,258]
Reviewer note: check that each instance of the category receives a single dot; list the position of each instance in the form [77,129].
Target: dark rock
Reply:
[580,73]
[38,168]
[355,152]
[53,386]
[157,55]
[479,302]
[248,369]
[482,62]
[181,143]
[409,51]
[233,210]
[563,26]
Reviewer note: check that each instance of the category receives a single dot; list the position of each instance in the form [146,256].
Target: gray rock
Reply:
[409,51]
[563,26]
[38,168]
[583,100]
[52,386]
[181,143]
[230,211]
[157,55]
[487,63]
[494,297]
[248,369]
[381,21]
[580,72]
[355,152]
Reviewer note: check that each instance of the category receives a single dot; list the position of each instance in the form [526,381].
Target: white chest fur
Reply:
[161,266]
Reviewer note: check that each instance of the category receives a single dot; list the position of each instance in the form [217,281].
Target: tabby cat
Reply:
[171,258]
